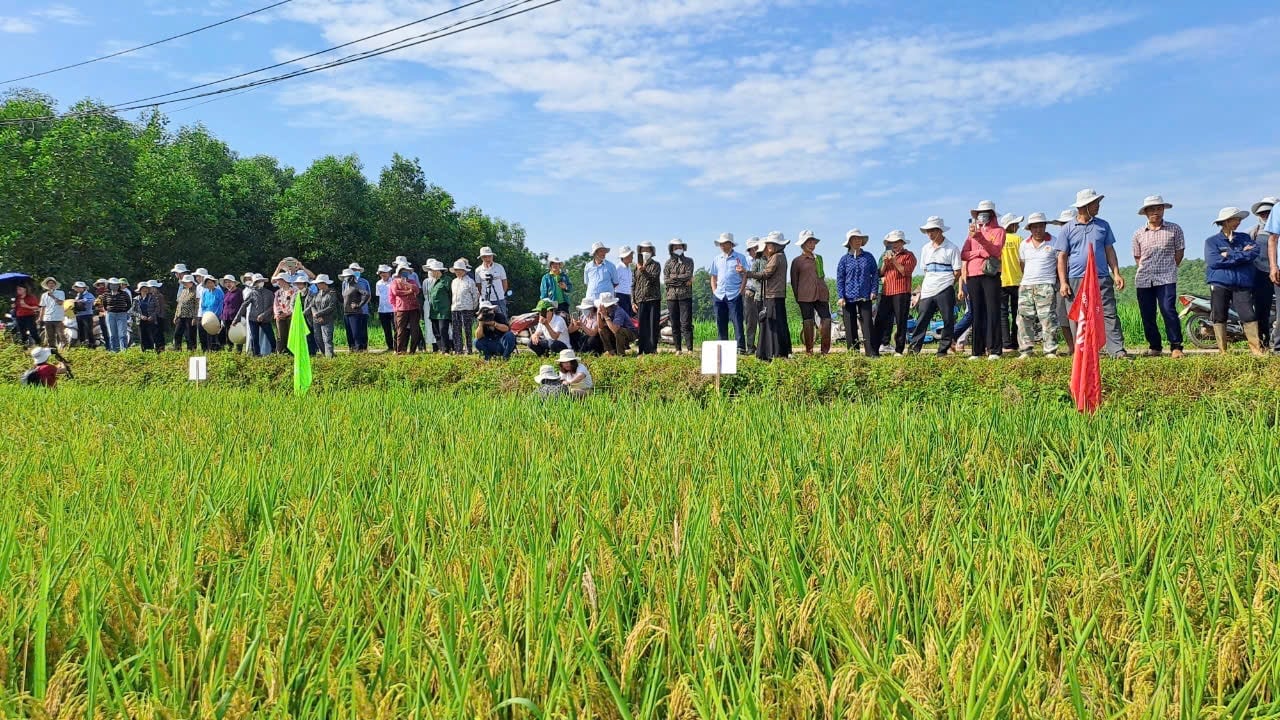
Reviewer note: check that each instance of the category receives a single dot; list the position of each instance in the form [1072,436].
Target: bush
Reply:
[1237,381]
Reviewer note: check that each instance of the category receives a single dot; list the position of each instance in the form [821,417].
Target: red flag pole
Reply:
[1086,313]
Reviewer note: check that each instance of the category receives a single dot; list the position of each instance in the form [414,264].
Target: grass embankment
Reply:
[229,553]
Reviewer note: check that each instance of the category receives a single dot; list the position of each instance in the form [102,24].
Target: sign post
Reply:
[198,370]
[720,358]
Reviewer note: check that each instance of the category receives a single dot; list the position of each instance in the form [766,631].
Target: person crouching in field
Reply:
[616,331]
[43,373]
[323,309]
[584,333]
[493,332]
[574,375]
[465,301]
[549,384]
[551,334]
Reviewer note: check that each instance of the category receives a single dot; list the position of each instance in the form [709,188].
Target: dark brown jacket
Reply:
[806,283]
[774,277]
[647,282]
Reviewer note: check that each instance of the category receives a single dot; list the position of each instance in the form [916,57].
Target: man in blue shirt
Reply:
[599,276]
[1073,243]
[726,287]
[857,279]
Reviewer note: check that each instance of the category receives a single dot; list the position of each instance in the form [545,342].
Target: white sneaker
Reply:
[897,354]
[1025,356]
[1051,354]
[974,357]
[993,358]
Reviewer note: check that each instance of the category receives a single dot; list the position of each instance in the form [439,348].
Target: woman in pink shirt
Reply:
[981,256]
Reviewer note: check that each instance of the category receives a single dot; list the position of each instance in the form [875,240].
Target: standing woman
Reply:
[26,308]
[465,300]
[210,302]
[355,309]
[186,312]
[556,285]
[439,296]
[896,267]
[1229,258]
[232,299]
[857,281]
[1264,289]
[52,313]
[678,274]
[282,308]
[257,310]
[386,315]
[648,288]
[116,304]
[981,255]
[775,333]
[148,317]
[323,308]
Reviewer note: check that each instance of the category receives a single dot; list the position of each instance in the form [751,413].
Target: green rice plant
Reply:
[231,553]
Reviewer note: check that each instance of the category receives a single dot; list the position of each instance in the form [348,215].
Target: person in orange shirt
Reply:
[896,266]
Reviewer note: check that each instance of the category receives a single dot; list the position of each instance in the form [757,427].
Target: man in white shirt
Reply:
[940,259]
[491,278]
[52,313]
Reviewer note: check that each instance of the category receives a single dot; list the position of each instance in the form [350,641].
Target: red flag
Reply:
[1086,312]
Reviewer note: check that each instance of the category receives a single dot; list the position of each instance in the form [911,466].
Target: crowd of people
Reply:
[1017,291]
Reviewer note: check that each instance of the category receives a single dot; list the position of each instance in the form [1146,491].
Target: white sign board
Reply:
[198,369]
[720,358]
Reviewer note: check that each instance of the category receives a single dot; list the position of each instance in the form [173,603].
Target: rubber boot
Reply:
[1255,342]
[826,337]
[806,332]
[1220,332]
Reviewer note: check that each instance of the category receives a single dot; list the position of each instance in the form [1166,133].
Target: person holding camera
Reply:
[493,333]
[556,285]
[584,332]
[981,255]
[648,289]
[491,278]
[551,334]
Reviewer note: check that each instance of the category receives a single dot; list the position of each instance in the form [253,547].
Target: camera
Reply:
[485,315]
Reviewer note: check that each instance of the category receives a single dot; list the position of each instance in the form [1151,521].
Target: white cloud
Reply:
[16,25]
[64,14]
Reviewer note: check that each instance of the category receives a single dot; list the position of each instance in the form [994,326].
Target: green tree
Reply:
[326,217]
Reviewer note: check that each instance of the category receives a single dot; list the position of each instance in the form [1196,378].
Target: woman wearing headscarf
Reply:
[775,333]
[981,255]
[1229,258]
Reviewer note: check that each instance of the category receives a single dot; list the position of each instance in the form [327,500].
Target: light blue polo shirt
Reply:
[1074,240]
[724,268]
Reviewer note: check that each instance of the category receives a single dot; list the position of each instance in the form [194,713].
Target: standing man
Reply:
[386,315]
[1158,249]
[809,283]
[751,294]
[648,290]
[84,313]
[1085,231]
[625,278]
[1272,229]
[942,266]
[857,280]
[356,319]
[678,274]
[1264,290]
[896,266]
[1010,280]
[599,275]
[52,313]
[726,288]
[491,278]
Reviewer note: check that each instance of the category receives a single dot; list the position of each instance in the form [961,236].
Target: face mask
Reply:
[984,218]
[678,253]
[356,275]
[644,257]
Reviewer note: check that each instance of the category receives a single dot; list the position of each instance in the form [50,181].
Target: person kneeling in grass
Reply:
[549,383]
[551,334]
[615,328]
[43,373]
[574,375]
[493,333]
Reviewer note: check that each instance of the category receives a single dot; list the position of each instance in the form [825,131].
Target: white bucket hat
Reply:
[401,260]
[567,356]
[487,305]
[676,241]
[933,223]
[201,272]
[547,372]
[607,299]
[280,276]
[203,280]
[1086,197]
[895,236]
[355,267]
[322,278]
[461,265]
[753,243]
[984,206]
[100,281]
[586,304]
[486,252]
[79,284]
[299,279]
[1153,201]
[1265,203]
[115,281]
[185,278]
[726,238]
[775,238]
[1010,219]
[856,232]
[555,260]
[1229,213]
[645,244]
[384,268]
[158,284]
[1065,217]
[40,355]
[1037,218]
[346,274]
[625,251]
[230,277]
[597,247]
[434,264]
[806,236]
[180,268]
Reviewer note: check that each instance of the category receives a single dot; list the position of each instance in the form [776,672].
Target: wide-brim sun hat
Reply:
[400,260]
[933,223]
[100,281]
[156,284]
[806,236]
[55,282]
[402,267]
[355,267]
[726,238]
[1087,197]
[547,372]
[436,265]
[645,244]
[1065,217]
[776,238]
[854,233]
[676,241]
[586,304]
[486,252]
[1230,213]
[1037,218]
[984,206]
[384,268]
[40,355]
[346,274]
[625,251]
[607,299]
[567,356]
[1265,203]
[229,278]
[895,236]
[201,272]
[185,279]
[209,278]
[79,284]
[597,247]
[1153,201]
[211,323]
[180,268]
[322,278]
[461,265]
[1010,219]
[554,261]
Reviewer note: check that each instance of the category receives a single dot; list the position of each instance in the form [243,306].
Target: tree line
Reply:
[94,194]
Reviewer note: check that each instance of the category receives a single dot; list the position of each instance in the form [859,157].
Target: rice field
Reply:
[230,554]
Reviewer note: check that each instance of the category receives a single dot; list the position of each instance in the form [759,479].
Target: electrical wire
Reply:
[148,45]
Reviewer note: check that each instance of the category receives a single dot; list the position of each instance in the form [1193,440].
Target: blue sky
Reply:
[631,120]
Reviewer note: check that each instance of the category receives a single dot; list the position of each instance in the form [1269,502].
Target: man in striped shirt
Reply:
[1158,248]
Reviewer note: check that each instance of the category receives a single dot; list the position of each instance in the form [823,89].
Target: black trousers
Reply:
[1009,316]
[150,332]
[161,328]
[680,316]
[984,298]
[444,342]
[650,317]
[1237,297]
[1264,293]
[84,329]
[543,348]
[860,314]
[388,328]
[185,330]
[945,303]
[891,314]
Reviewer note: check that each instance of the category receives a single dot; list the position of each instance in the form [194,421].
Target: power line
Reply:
[438,34]
[143,47]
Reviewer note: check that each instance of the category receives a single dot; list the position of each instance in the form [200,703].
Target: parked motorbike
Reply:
[1197,326]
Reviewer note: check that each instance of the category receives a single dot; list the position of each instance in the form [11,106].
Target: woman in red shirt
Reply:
[26,308]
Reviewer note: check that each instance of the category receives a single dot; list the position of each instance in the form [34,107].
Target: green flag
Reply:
[298,332]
